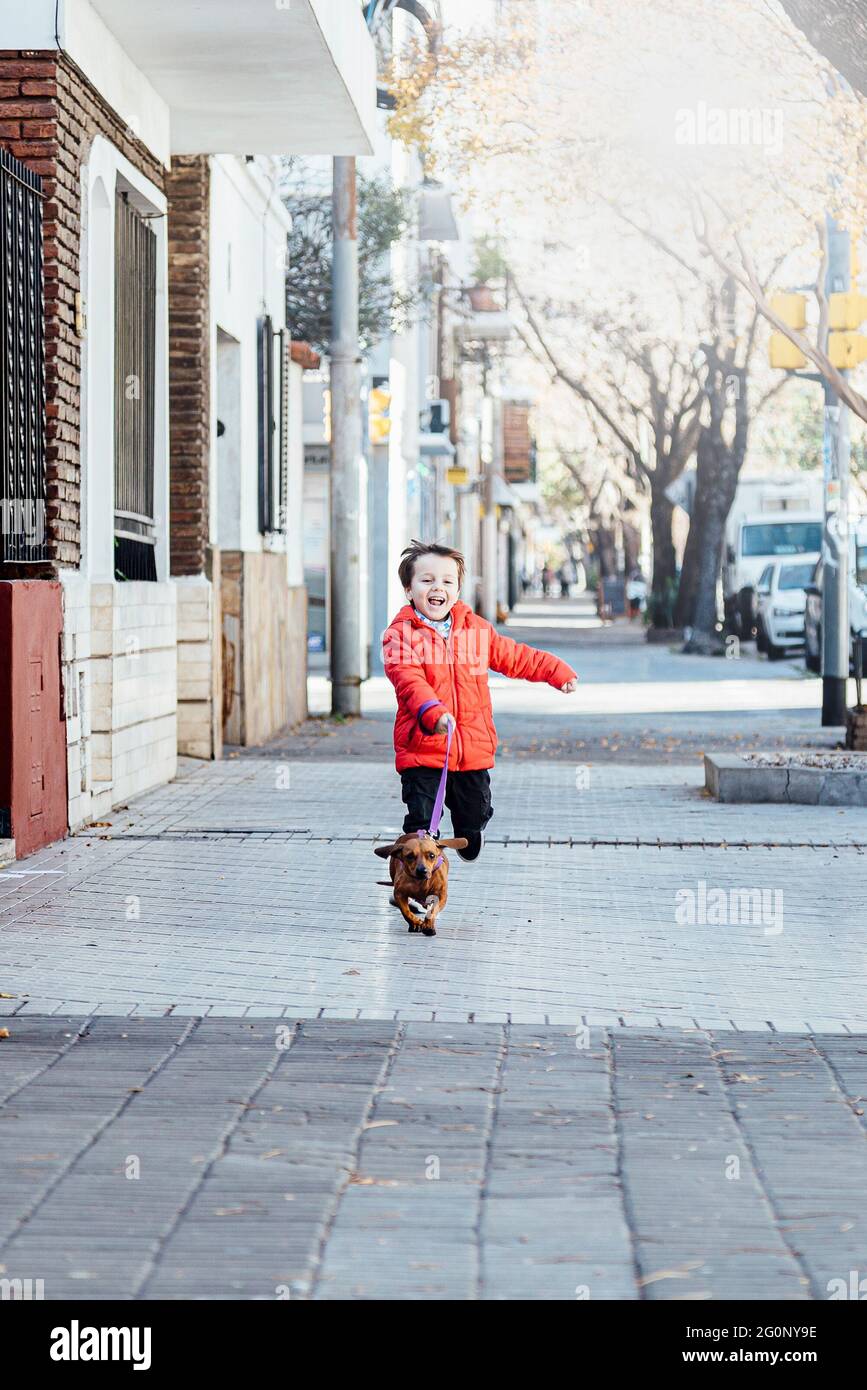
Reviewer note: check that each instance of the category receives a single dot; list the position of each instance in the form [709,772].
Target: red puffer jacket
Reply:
[427,670]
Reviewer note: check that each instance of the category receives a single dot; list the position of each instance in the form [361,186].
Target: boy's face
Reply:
[434,589]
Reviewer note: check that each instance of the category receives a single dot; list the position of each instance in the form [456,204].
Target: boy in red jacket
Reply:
[437,653]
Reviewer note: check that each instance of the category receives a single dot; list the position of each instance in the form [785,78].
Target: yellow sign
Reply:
[458,477]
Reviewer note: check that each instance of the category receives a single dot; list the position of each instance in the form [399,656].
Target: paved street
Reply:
[230,1158]
[319,1105]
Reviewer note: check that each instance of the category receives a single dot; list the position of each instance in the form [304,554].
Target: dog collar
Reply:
[427,834]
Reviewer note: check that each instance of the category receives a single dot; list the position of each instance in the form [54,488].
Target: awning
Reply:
[493,326]
[436,446]
[255,77]
[504,494]
[436,218]
[527,492]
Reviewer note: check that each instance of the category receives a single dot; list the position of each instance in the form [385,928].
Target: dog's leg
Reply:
[433,904]
[415,923]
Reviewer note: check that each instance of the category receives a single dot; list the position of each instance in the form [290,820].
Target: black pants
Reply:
[468,797]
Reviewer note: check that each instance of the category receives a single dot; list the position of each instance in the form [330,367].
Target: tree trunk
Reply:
[605,550]
[838,29]
[631,547]
[717,467]
[664,559]
[684,607]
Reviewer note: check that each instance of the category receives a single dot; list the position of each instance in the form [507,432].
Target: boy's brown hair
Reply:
[413,552]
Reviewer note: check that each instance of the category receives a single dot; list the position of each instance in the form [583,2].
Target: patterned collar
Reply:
[441,625]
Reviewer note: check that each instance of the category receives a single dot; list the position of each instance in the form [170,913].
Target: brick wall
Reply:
[188,188]
[49,115]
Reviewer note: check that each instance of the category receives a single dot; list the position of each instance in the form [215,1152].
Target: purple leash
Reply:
[439,802]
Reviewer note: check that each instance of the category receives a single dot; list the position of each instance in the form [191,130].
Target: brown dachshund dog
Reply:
[419,877]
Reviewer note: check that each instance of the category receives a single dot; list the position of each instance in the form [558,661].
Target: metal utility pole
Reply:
[835,542]
[346,444]
[489,555]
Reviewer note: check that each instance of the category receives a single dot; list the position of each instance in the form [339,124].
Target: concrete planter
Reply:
[819,779]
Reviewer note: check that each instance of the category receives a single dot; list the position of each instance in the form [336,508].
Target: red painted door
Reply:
[32,726]
[37,737]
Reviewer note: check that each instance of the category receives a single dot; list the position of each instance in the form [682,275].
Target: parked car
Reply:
[813,622]
[780,601]
[771,518]
[857,602]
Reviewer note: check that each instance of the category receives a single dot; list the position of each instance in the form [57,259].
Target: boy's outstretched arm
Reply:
[525,663]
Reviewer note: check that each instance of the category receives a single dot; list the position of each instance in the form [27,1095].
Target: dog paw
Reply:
[429,930]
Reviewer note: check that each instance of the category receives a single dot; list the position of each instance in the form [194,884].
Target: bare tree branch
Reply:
[575,384]
[746,277]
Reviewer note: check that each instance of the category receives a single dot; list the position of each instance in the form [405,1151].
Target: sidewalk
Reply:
[252,885]
[231,1072]
[227,1159]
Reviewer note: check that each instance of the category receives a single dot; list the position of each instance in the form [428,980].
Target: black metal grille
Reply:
[135,266]
[22,366]
[285,350]
[268,485]
[134,559]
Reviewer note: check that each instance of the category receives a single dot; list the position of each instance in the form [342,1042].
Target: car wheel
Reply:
[811,662]
[730,615]
[775,653]
[761,639]
[746,613]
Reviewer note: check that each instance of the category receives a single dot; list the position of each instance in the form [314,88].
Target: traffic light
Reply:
[378,419]
[846,350]
[792,309]
[847,310]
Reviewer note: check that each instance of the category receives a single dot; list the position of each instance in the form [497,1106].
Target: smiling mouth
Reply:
[436,602]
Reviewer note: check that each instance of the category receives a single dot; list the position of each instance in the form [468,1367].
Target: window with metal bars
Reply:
[273,430]
[135,264]
[22,366]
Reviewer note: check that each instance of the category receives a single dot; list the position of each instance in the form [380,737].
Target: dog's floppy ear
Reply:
[459,843]
[386,851]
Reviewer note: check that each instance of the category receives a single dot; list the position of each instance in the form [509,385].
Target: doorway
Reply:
[229,531]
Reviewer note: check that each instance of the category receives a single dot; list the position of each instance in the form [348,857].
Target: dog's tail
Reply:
[385,883]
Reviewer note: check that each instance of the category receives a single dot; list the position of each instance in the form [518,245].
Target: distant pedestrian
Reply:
[547,580]
[636,593]
[566,577]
